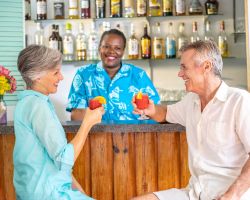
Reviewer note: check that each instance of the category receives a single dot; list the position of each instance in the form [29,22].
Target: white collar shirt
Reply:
[218,139]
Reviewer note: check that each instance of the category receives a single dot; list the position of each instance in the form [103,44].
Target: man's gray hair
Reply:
[206,50]
[35,60]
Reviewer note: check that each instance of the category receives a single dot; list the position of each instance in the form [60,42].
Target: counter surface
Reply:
[112,126]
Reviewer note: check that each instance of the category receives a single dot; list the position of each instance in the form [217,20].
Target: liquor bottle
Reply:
[180,7]
[222,40]
[73,9]
[59,38]
[68,44]
[167,7]
[85,9]
[58,9]
[208,33]
[39,35]
[100,8]
[158,44]
[53,39]
[194,36]
[211,7]
[81,44]
[129,9]
[195,7]
[145,44]
[27,10]
[141,7]
[182,38]
[154,8]
[92,53]
[41,9]
[170,43]
[115,8]
[133,45]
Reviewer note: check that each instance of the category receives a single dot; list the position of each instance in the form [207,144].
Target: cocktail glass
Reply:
[142,102]
[94,103]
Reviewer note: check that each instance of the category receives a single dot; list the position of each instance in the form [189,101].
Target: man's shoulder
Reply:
[238,92]
[87,68]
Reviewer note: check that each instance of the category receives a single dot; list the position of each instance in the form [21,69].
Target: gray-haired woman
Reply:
[43,159]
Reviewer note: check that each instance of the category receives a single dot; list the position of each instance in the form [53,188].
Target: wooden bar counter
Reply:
[118,161]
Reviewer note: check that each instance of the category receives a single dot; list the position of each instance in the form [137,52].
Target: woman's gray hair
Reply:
[206,50]
[35,60]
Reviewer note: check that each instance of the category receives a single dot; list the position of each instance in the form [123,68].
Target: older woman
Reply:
[43,159]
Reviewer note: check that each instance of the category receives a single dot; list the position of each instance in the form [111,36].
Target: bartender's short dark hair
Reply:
[115,32]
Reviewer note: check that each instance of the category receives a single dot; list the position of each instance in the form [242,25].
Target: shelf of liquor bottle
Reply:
[127,18]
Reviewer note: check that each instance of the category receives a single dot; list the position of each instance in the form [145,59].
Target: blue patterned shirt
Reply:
[93,80]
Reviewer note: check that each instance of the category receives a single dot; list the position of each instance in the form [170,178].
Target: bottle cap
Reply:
[68,26]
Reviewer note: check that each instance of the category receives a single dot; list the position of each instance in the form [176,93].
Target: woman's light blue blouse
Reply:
[43,159]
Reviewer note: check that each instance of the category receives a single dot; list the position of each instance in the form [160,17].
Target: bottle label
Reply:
[133,47]
[72,3]
[85,4]
[180,6]
[167,6]
[59,9]
[99,3]
[73,12]
[41,7]
[68,47]
[141,7]
[145,45]
[158,48]
[81,45]
[181,42]
[53,44]
[211,9]
[223,47]
[170,47]
[115,7]
[27,8]
[154,3]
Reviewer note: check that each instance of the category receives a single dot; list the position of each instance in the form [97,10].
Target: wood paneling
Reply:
[117,166]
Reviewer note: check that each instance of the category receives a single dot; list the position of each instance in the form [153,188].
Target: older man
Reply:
[217,122]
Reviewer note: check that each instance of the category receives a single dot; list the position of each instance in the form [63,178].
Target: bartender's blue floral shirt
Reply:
[43,159]
[93,80]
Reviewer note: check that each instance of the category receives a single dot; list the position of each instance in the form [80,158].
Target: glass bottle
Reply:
[170,43]
[58,9]
[195,35]
[73,9]
[59,38]
[53,39]
[100,8]
[133,45]
[208,33]
[41,9]
[195,7]
[81,44]
[182,38]
[211,7]
[85,9]
[154,8]
[141,8]
[68,44]
[158,44]
[167,7]
[27,10]
[93,44]
[39,35]
[222,40]
[180,7]
[115,8]
[145,44]
[129,9]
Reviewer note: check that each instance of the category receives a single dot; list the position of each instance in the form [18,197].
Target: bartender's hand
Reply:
[93,117]
[149,111]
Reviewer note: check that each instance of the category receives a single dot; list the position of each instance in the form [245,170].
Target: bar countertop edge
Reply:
[129,126]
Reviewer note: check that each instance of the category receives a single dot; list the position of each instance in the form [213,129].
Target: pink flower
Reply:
[10,80]
[4,71]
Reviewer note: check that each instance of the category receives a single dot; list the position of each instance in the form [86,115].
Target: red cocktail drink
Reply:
[141,101]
